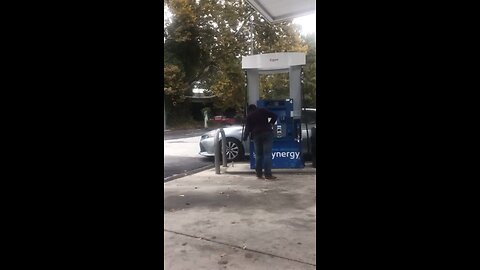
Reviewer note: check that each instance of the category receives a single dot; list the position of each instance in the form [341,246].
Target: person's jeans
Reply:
[263,153]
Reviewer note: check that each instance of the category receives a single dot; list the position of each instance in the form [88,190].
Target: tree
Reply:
[205,42]
[310,73]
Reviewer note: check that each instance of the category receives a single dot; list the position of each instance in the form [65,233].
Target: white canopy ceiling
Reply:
[279,10]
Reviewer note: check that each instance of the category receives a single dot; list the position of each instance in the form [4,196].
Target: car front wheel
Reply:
[234,150]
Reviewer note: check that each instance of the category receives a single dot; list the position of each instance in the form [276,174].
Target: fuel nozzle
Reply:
[279,130]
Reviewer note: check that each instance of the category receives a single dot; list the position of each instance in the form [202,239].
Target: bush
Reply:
[183,122]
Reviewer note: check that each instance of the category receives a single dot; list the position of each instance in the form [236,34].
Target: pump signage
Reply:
[285,154]
[289,155]
[282,159]
[273,61]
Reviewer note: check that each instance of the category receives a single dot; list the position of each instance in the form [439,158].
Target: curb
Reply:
[274,172]
[308,170]
[180,175]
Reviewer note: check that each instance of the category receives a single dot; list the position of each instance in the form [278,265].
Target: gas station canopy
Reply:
[279,10]
[273,61]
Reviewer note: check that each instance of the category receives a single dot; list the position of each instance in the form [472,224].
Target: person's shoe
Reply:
[260,177]
[270,177]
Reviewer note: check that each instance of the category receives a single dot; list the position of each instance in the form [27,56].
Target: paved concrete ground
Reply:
[235,221]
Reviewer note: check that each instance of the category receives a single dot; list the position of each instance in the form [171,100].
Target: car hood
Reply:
[228,129]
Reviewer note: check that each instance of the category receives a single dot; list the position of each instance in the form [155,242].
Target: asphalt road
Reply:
[181,153]
[180,165]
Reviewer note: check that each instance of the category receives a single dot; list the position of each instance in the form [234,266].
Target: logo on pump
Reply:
[289,155]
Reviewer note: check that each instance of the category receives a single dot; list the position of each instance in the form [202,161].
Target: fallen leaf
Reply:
[244,247]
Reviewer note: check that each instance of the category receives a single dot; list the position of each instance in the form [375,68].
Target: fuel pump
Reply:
[286,149]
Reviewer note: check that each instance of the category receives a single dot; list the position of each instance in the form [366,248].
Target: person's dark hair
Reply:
[251,108]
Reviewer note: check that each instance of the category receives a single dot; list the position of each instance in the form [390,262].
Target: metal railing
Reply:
[216,148]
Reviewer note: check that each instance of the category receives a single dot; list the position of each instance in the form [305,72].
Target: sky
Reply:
[307,23]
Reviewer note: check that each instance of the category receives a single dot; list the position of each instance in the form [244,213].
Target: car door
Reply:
[246,144]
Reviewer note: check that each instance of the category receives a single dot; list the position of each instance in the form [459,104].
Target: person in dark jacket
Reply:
[260,130]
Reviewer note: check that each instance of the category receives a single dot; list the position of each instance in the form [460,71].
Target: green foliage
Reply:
[310,69]
[204,44]
[274,86]
[173,83]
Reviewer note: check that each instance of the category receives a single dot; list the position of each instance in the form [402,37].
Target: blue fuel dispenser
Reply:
[286,149]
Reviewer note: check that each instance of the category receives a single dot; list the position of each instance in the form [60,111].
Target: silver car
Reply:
[238,149]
